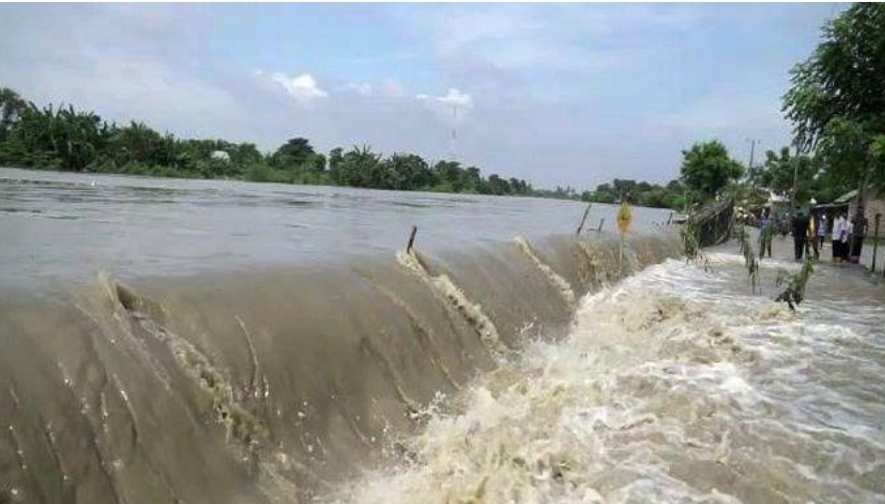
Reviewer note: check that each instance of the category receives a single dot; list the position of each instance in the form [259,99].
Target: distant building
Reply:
[873,204]
[221,156]
[776,201]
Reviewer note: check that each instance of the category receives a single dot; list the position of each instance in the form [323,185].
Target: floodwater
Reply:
[239,347]
[676,385]
[66,226]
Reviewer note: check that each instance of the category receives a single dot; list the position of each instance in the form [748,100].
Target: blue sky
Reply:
[558,94]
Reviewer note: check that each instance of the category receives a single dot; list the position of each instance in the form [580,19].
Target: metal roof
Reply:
[845,198]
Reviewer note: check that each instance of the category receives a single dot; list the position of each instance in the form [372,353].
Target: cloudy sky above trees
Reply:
[559,94]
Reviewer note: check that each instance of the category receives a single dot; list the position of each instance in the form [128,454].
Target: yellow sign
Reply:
[625,217]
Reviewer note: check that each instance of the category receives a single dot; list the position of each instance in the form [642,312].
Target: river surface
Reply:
[252,343]
[59,227]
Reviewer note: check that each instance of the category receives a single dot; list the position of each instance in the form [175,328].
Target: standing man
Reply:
[800,233]
[859,232]
[839,227]
[766,232]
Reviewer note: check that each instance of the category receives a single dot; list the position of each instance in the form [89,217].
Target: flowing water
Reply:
[675,385]
[204,341]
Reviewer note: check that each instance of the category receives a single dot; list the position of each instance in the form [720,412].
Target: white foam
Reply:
[675,385]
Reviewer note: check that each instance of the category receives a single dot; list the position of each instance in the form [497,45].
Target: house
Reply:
[777,203]
[873,204]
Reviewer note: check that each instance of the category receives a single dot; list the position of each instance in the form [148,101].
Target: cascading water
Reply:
[264,387]
[265,344]
[674,385]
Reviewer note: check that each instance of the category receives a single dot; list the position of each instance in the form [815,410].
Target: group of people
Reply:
[810,234]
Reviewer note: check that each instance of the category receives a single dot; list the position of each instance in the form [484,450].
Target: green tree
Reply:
[295,151]
[497,185]
[707,168]
[781,170]
[11,107]
[336,156]
[407,172]
[451,176]
[837,98]
[56,138]
[360,167]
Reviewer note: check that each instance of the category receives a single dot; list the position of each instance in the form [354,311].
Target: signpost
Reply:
[625,218]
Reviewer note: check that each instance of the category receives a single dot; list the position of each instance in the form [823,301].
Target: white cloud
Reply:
[388,88]
[453,98]
[304,88]
[363,88]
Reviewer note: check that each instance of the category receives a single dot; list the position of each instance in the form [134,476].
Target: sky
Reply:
[556,94]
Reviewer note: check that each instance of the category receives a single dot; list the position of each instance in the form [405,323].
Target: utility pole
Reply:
[752,152]
[795,175]
[454,151]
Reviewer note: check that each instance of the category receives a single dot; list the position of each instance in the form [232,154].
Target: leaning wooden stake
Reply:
[601,222]
[411,239]
[584,218]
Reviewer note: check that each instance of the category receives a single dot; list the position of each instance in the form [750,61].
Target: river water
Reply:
[67,226]
[260,343]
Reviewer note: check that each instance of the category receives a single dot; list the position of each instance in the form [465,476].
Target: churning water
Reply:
[675,385]
[503,362]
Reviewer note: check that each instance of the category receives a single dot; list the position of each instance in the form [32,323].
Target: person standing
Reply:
[838,229]
[800,233]
[847,231]
[822,227]
[766,233]
[811,239]
[858,233]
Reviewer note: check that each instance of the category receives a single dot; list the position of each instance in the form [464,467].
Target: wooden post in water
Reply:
[581,225]
[670,218]
[876,245]
[601,222]
[411,239]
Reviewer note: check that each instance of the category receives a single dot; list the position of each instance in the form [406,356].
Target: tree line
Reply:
[836,103]
[707,169]
[62,138]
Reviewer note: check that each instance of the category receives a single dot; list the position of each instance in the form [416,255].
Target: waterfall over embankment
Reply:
[271,385]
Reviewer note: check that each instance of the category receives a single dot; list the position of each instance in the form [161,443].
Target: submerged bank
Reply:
[269,386]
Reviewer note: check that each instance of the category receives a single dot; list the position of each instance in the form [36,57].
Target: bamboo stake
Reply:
[411,239]
[581,225]
[601,222]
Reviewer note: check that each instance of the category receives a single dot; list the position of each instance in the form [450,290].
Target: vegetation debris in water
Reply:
[795,283]
[750,261]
